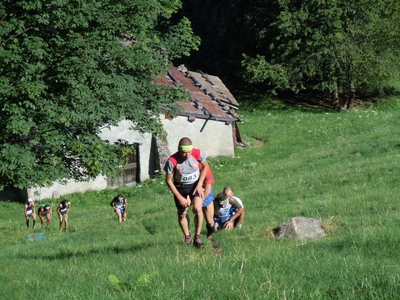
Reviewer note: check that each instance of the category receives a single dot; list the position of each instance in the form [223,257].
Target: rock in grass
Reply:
[300,228]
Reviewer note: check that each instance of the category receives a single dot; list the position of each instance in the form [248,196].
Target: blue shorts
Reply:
[122,209]
[207,201]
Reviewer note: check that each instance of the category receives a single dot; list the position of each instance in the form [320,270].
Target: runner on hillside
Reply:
[185,181]
[228,212]
[120,206]
[29,212]
[62,210]
[45,211]
[208,205]
[228,190]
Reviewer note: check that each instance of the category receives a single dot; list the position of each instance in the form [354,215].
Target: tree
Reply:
[69,67]
[225,29]
[334,47]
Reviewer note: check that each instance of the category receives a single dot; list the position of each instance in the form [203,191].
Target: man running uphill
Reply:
[185,180]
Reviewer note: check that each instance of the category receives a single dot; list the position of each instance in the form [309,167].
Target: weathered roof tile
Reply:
[209,97]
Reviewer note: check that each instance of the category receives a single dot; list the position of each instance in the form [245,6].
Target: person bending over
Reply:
[63,211]
[208,204]
[45,211]
[29,212]
[228,190]
[120,206]
[227,212]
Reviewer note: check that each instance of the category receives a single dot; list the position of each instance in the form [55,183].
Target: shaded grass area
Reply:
[340,168]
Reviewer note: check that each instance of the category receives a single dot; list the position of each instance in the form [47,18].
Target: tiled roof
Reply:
[209,97]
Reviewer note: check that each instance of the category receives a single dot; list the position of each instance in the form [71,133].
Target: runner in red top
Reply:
[185,180]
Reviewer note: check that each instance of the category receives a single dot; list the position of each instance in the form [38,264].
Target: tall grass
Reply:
[342,168]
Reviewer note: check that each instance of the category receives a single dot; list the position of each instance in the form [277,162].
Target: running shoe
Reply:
[197,242]
[188,239]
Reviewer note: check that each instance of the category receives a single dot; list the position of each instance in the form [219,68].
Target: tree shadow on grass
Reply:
[312,101]
[67,254]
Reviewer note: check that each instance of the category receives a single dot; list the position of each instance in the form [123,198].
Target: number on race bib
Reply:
[190,178]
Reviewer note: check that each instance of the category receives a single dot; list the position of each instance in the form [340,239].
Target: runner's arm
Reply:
[173,189]
[58,209]
[237,205]
[207,190]
[199,187]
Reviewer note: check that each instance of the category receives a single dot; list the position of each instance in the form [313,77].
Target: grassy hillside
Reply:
[342,168]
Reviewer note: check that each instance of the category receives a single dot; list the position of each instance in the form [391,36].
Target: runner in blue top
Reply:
[227,211]
[120,206]
[208,205]
[239,215]
[185,180]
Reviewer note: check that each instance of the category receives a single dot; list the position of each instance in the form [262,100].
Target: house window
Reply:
[127,174]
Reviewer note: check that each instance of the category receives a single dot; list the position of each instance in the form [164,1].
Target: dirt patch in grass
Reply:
[253,142]
[217,251]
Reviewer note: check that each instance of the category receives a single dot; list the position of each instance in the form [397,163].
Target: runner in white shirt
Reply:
[229,210]
[29,212]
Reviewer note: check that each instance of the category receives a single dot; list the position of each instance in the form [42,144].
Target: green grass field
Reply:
[342,168]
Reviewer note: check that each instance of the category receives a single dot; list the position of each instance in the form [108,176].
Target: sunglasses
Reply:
[223,202]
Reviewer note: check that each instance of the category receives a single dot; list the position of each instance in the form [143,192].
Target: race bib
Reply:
[222,213]
[29,211]
[190,178]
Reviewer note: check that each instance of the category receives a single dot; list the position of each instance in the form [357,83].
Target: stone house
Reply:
[209,119]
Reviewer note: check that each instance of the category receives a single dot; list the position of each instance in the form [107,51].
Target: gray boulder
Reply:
[300,228]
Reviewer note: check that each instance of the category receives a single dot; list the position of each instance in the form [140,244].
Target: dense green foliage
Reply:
[328,45]
[341,168]
[68,68]
[337,46]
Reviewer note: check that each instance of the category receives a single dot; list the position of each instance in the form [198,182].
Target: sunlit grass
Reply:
[341,168]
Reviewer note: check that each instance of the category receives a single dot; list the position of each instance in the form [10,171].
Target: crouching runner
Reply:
[45,211]
[228,212]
